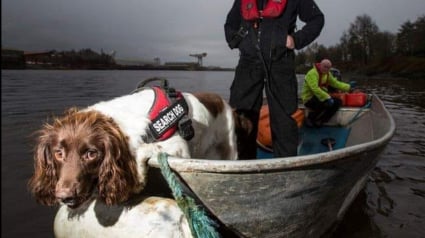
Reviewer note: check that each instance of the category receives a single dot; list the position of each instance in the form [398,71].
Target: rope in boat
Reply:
[357,115]
[200,224]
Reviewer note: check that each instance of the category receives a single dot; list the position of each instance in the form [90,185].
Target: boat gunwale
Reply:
[263,165]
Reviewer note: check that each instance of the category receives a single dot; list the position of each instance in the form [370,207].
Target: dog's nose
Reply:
[70,202]
[66,196]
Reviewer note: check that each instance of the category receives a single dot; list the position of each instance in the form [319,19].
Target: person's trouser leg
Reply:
[246,95]
[330,111]
[282,96]
[317,109]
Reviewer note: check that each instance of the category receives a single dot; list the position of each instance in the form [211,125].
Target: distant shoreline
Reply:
[115,67]
[87,59]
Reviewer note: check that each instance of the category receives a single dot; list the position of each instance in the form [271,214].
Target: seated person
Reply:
[315,93]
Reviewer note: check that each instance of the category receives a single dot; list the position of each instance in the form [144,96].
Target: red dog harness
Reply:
[164,121]
[272,9]
[168,114]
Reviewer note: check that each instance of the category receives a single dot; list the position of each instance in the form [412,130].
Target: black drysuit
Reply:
[266,63]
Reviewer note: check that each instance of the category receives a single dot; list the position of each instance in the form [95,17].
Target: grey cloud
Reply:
[171,30]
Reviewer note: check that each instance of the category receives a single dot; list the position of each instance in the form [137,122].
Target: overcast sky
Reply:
[168,29]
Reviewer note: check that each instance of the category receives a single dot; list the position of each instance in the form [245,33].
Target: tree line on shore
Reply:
[52,59]
[364,49]
[84,58]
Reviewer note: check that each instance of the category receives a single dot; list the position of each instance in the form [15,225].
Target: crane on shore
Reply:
[199,57]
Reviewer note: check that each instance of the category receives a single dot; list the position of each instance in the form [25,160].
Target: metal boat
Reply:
[301,196]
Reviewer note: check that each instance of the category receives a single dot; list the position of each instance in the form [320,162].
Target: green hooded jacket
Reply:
[312,88]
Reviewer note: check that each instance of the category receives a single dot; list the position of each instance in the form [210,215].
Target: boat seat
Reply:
[343,116]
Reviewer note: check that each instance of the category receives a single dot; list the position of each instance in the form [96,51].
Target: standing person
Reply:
[315,93]
[265,33]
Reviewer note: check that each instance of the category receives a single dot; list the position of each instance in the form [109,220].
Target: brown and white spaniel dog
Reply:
[147,217]
[101,149]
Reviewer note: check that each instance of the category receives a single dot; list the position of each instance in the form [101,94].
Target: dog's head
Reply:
[79,154]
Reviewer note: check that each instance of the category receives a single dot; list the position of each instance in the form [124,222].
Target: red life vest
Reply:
[321,83]
[272,9]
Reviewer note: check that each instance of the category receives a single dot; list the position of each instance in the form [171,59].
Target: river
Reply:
[391,205]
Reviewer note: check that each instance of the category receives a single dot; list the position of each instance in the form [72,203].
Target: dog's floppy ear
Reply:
[243,124]
[245,136]
[118,176]
[42,184]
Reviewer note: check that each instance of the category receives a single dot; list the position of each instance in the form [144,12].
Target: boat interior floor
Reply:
[315,140]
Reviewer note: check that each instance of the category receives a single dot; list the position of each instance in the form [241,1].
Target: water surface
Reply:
[391,205]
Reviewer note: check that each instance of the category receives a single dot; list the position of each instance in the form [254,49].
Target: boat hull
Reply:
[302,196]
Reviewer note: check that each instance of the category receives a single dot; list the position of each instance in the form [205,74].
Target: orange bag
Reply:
[264,136]
[357,99]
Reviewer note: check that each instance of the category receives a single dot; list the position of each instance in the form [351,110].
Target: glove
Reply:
[353,84]
[329,102]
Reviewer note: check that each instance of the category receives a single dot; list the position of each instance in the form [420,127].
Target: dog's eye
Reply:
[59,154]
[91,154]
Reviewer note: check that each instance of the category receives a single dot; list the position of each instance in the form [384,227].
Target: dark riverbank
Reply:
[113,67]
[394,67]
[87,59]
[124,67]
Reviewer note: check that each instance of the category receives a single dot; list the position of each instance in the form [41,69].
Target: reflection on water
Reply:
[358,221]
[391,205]
[395,191]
